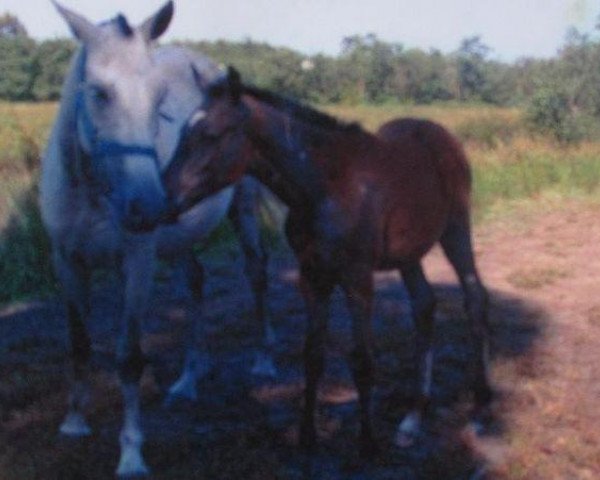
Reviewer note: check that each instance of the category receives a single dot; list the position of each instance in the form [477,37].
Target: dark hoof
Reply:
[308,439]
[368,449]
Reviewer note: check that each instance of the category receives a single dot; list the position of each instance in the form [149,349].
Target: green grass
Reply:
[509,167]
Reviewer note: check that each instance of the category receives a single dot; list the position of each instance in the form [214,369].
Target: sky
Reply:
[512,28]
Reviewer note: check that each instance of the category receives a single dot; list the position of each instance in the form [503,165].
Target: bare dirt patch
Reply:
[546,352]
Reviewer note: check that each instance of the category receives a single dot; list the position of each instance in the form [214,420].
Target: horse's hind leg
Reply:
[74,279]
[244,217]
[422,301]
[196,362]
[456,242]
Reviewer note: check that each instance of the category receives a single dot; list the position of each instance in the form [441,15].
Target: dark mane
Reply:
[121,23]
[300,111]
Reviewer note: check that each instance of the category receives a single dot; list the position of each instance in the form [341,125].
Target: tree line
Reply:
[561,90]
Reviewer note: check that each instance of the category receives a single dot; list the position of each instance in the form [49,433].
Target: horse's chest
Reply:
[331,235]
[92,236]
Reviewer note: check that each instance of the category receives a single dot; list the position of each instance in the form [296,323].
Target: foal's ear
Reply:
[157,24]
[81,27]
[234,81]
[199,80]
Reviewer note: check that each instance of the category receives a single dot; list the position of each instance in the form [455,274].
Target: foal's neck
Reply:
[286,148]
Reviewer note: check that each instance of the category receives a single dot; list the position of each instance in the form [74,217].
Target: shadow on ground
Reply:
[241,427]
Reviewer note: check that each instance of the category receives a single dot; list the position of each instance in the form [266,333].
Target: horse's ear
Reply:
[82,28]
[235,83]
[155,26]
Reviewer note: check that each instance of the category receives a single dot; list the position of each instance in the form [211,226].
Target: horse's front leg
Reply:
[244,217]
[74,279]
[358,285]
[138,269]
[316,287]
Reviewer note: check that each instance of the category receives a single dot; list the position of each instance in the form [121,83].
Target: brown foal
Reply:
[357,202]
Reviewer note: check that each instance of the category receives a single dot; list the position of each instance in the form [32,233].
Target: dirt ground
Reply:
[543,273]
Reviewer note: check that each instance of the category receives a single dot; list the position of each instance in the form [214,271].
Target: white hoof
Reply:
[131,465]
[75,425]
[264,366]
[183,389]
[408,430]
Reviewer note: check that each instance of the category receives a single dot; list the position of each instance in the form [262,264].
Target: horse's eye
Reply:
[166,117]
[100,95]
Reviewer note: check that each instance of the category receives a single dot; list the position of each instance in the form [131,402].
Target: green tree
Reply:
[52,58]
[11,26]
[471,68]
[18,67]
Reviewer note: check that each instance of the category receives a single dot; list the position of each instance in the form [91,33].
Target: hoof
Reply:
[179,394]
[264,366]
[132,466]
[75,426]
[408,431]
[369,449]
[308,439]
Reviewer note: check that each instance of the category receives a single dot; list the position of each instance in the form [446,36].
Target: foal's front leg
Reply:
[358,286]
[74,280]
[316,287]
[138,269]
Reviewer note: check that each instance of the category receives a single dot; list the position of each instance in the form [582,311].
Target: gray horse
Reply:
[124,103]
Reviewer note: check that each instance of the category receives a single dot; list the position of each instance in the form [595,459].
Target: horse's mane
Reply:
[300,111]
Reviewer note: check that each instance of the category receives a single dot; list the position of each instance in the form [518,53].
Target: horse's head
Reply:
[117,114]
[214,150]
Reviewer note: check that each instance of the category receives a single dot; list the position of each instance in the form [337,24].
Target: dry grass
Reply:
[530,278]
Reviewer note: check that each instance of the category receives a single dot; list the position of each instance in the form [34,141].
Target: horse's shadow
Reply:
[243,427]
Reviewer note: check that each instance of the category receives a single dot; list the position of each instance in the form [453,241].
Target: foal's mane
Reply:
[300,111]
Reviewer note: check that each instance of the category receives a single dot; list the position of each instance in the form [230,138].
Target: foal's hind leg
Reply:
[244,217]
[456,242]
[74,280]
[196,363]
[422,301]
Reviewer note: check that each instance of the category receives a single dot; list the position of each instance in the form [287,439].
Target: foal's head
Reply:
[117,109]
[214,150]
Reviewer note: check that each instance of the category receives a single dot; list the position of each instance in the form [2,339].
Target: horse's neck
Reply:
[284,162]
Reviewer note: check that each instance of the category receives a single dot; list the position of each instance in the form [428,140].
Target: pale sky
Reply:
[512,28]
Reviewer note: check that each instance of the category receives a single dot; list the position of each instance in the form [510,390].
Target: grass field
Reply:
[512,169]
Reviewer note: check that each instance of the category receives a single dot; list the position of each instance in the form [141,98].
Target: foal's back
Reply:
[427,183]
[439,149]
